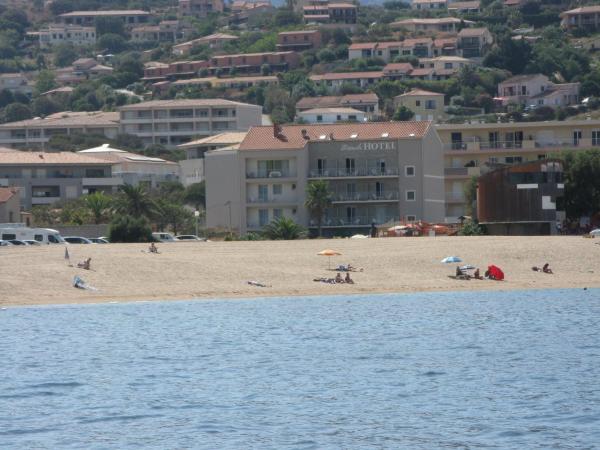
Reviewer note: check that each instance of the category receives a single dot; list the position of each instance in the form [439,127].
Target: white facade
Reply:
[175,122]
[332,115]
[76,35]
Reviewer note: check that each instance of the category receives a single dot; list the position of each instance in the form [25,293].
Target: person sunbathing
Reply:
[546,268]
[338,278]
[85,264]
[348,279]
[153,248]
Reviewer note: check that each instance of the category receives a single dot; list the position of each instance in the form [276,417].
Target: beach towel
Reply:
[80,284]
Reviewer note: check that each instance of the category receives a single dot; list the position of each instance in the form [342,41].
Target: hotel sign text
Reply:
[368,146]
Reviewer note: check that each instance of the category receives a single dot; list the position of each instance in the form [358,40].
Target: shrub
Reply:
[470,228]
[283,228]
[130,229]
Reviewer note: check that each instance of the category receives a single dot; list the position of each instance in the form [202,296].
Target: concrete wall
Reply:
[87,231]
[223,184]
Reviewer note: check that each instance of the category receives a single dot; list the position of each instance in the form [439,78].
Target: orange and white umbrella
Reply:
[329,253]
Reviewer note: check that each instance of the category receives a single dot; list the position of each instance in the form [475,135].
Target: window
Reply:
[576,137]
[595,137]
[411,196]
[430,104]
[263,217]
[447,65]
[411,218]
[319,118]
[277,189]
[418,103]
[409,171]
[277,213]
[263,193]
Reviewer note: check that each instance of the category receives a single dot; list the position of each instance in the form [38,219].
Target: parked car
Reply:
[5,244]
[17,242]
[77,240]
[105,238]
[98,241]
[189,237]
[595,233]
[32,242]
[164,237]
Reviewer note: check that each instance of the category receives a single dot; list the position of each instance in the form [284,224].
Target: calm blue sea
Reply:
[504,370]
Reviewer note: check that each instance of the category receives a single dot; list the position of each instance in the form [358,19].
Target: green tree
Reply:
[582,183]
[403,114]
[46,81]
[130,229]
[195,195]
[283,228]
[134,201]
[318,199]
[109,25]
[112,43]
[470,191]
[16,111]
[64,55]
[470,228]
[98,204]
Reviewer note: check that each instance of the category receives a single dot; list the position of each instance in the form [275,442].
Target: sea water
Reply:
[412,371]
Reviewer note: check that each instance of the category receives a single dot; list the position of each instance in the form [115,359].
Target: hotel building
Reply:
[174,122]
[377,173]
[130,18]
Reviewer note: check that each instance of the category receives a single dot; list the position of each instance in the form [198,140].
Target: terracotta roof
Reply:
[290,138]
[398,67]
[420,72]
[347,75]
[583,10]
[300,32]
[7,193]
[472,31]
[341,5]
[254,54]
[106,152]
[522,78]
[363,46]
[114,12]
[442,20]
[42,158]
[184,103]
[445,42]
[69,118]
[418,92]
[217,139]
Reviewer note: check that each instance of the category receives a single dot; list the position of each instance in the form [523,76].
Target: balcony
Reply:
[358,221]
[527,144]
[281,173]
[455,197]
[462,172]
[272,200]
[102,181]
[44,200]
[358,197]
[353,173]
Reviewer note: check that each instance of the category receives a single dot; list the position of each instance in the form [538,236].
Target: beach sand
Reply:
[125,272]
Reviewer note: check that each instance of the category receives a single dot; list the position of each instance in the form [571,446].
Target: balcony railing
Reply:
[281,173]
[360,221]
[475,145]
[365,196]
[284,200]
[335,173]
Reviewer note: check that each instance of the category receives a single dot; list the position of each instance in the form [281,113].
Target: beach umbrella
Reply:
[495,272]
[451,259]
[329,253]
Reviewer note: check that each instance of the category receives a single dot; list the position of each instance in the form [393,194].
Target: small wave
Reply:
[30,395]
[433,373]
[120,418]
[55,385]
[19,431]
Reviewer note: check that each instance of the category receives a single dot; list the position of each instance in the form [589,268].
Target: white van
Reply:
[21,232]
[164,237]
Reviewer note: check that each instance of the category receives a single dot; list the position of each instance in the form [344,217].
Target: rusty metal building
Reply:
[522,199]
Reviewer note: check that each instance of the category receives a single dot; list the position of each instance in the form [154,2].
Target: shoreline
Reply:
[132,301]
[36,276]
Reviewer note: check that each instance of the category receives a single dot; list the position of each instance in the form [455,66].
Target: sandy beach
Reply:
[125,272]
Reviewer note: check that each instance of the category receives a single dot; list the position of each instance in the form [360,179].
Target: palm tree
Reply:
[318,198]
[283,228]
[134,201]
[97,203]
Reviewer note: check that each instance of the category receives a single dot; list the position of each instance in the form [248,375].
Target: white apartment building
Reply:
[35,133]
[378,173]
[72,34]
[174,122]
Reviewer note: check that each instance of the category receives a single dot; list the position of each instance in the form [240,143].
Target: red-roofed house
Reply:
[584,17]
[377,172]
